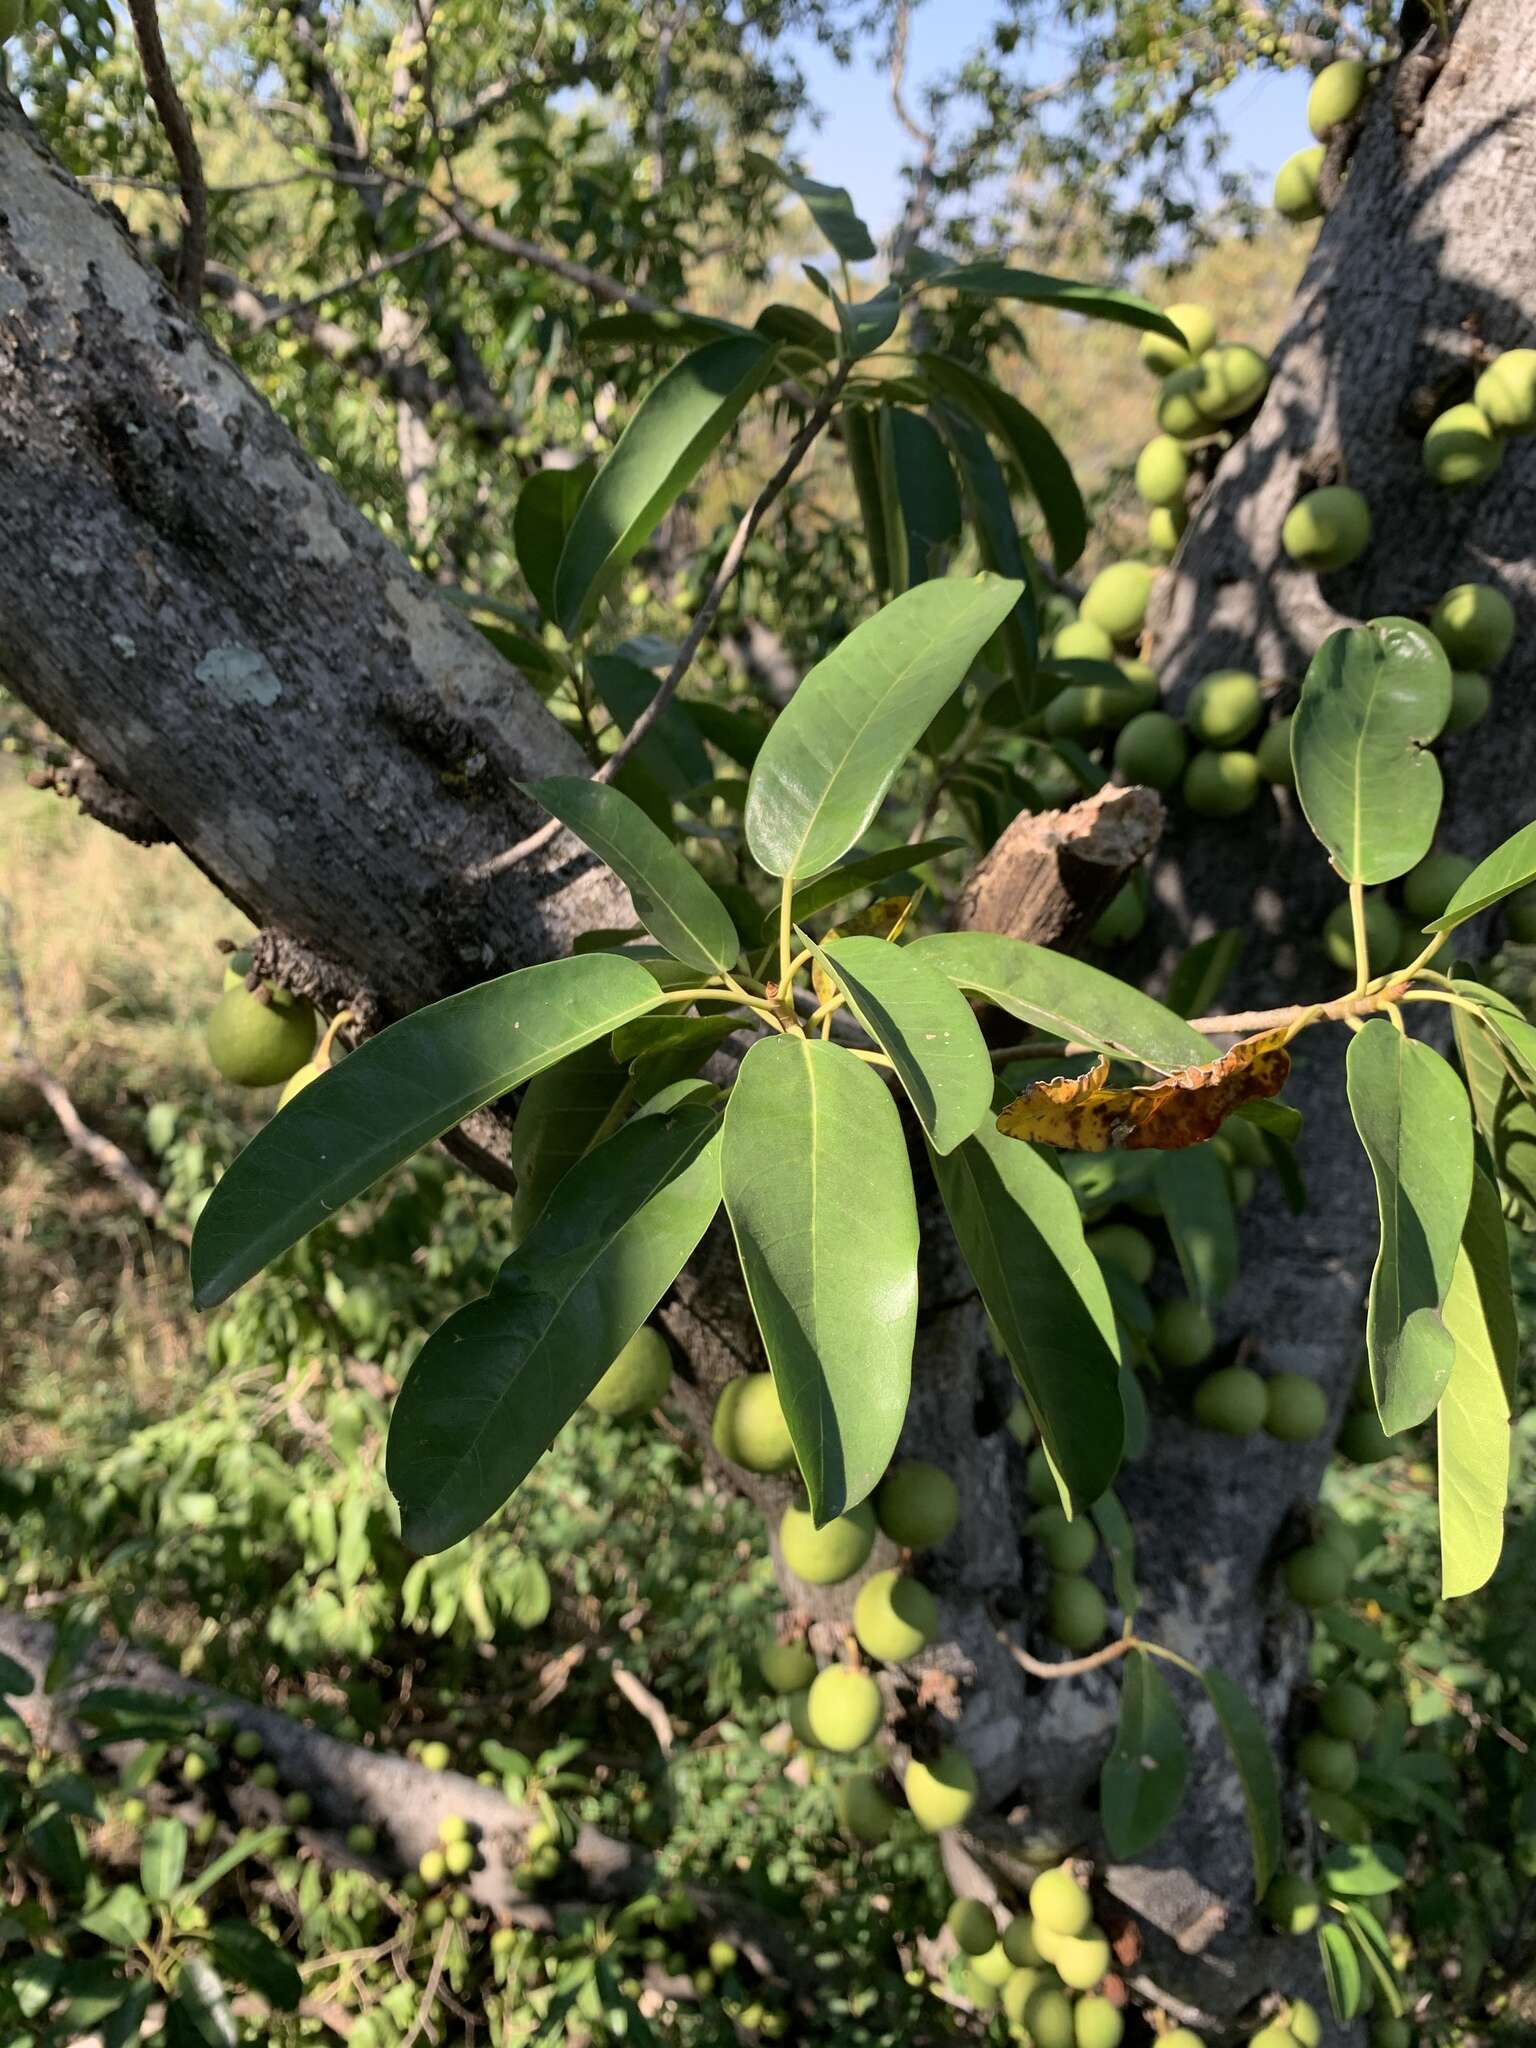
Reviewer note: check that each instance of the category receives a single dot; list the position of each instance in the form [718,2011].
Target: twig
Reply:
[730,562]
[1073,1667]
[918,209]
[178,133]
[646,1704]
[286,308]
[434,1978]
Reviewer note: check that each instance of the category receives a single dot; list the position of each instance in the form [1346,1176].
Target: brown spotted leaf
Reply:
[1165,1115]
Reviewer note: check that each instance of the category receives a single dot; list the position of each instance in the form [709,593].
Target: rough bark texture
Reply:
[1052,872]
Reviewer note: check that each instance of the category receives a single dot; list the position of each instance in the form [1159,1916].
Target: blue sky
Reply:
[860,144]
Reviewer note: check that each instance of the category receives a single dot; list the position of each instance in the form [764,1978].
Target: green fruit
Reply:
[1221,785]
[134,1813]
[786,1667]
[1232,380]
[264,1777]
[1291,1904]
[1363,1440]
[1121,919]
[1327,1763]
[1304,2023]
[749,1426]
[1383,935]
[1182,1336]
[1506,391]
[1019,1942]
[917,1505]
[942,1793]
[1017,1993]
[1097,2023]
[453,1827]
[1039,1480]
[435,1756]
[236,967]
[1165,529]
[894,1617]
[843,1708]
[1083,708]
[1391,2033]
[1162,472]
[1048,2018]
[1075,1614]
[1180,2037]
[1141,679]
[799,1718]
[1123,1245]
[1116,599]
[1471,697]
[637,1379]
[1295,1409]
[255,1043]
[1429,887]
[1179,412]
[1273,755]
[1317,1576]
[1327,529]
[1059,1905]
[722,1957]
[1020,1424]
[1151,749]
[993,1966]
[297,1807]
[460,1858]
[1337,93]
[1198,327]
[194,1767]
[361,1839]
[864,1810]
[972,1925]
[982,1995]
[1081,1962]
[1348,1711]
[1461,448]
[1083,641]
[1232,1400]
[433,1867]
[1068,1546]
[1274,2036]
[1297,196]
[1224,707]
[1475,624]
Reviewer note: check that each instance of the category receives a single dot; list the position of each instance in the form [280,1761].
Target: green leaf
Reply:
[927,497]
[861,451]
[1341,1972]
[660,327]
[15,1679]
[1021,1234]
[1473,1425]
[1119,1539]
[1031,446]
[836,748]
[562,1111]
[865,324]
[1508,868]
[201,1999]
[162,1858]
[672,900]
[1256,1769]
[1142,1786]
[797,328]
[249,1843]
[925,1028]
[1276,1118]
[1196,1199]
[123,2027]
[819,1194]
[989,507]
[1373,699]
[252,1958]
[830,206]
[395,1094]
[1506,1121]
[1415,1123]
[672,749]
[1202,973]
[1370,1938]
[545,512]
[121,1919]
[1096,301]
[675,429]
[1064,998]
[490,1389]
[1361,1870]
[859,871]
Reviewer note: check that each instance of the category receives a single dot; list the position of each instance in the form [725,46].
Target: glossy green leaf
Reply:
[1021,1234]
[1142,1785]
[672,900]
[819,1194]
[661,327]
[673,432]
[162,1858]
[859,871]
[1119,1540]
[797,329]
[1034,287]
[1064,998]
[927,496]
[121,1919]
[1509,867]
[1373,699]
[1029,444]
[1203,972]
[1415,1123]
[925,1028]
[396,1093]
[561,1113]
[1196,1199]
[830,206]
[200,2010]
[545,512]
[1473,1419]
[1506,1121]
[1255,1763]
[490,1389]
[837,746]
[989,508]
[861,452]
[1341,1972]
[864,324]
[1362,1869]
[1371,1939]
[672,749]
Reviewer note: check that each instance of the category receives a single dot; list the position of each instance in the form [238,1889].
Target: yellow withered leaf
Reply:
[1081,1114]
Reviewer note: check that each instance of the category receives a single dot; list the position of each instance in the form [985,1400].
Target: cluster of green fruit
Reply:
[1076,1614]
[260,1037]
[455,1857]
[1042,1971]
[1207,385]
[1465,444]
[1338,92]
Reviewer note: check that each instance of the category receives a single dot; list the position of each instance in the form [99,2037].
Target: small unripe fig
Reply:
[637,1379]
[1116,599]
[1017,1992]
[1328,528]
[453,1827]
[1348,1711]
[1317,1575]
[297,1807]
[460,1858]
[1383,935]
[844,1708]
[1196,323]
[1232,380]
[1506,391]
[1151,749]
[1326,1762]
[916,1504]
[982,1995]
[1224,707]
[1273,754]
[1165,529]
[941,1793]
[795,1706]
[749,1427]
[786,1667]
[1121,919]
[247,1745]
[1475,624]
[722,1956]
[436,1756]
[1179,411]
[1075,1614]
[1297,196]
[1040,1480]
[1461,448]
[264,1777]
[1304,2023]
[1020,1424]
[863,1809]
[1123,1245]
[1020,1944]
[1068,1546]
[1097,2023]
[1082,640]
[1162,472]
[1336,95]
[1471,696]
[825,1556]
[1291,1904]
[258,1044]
[1182,1337]
[1295,1408]
[972,1925]
[1048,2018]
[1081,1961]
[1363,1440]
[1429,887]
[1221,785]
[894,1617]
[992,1966]
[1232,1400]
[361,1839]
[432,1867]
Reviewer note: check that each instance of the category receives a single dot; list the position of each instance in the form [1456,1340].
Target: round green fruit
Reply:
[236,967]
[1291,1904]
[1162,472]
[1197,324]
[1273,754]
[1019,1423]
[1141,680]
[1165,529]
[1317,1575]
[1121,919]
[1295,1408]
[1391,2033]
[264,1777]
[1059,1904]
[992,1965]
[256,1043]
[796,1707]
[297,1807]
[722,1956]
[917,1505]
[1274,2036]
[1081,1961]
[1082,640]
[1328,1763]
[1348,1711]
[1461,448]
[453,1827]
[1221,785]
[1429,887]
[749,1426]
[1297,196]
[941,1794]
[1233,1401]
[844,1708]
[1179,412]
[432,1867]
[435,1756]
[1048,2018]
[1506,391]
[1383,935]
[1304,2023]
[1069,1546]
[1224,707]
[982,1995]
[1116,599]
[1040,1480]
[1328,528]
[1097,2023]
[1151,749]
[894,1617]
[247,1745]
[1471,699]
[1475,624]
[863,1809]
[134,1813]
[1123,1245]
[361,1839]
[1018,1991]
[1019,1943]
[1233,378]
[826,1556]
[460,1858]
[786,1667]
[1180,2037]
[637,1379]
[1363,1440]
[972,1925]
[1337,94]
[1182,1336]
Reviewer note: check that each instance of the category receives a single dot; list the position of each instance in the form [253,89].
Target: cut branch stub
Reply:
[1052,872]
